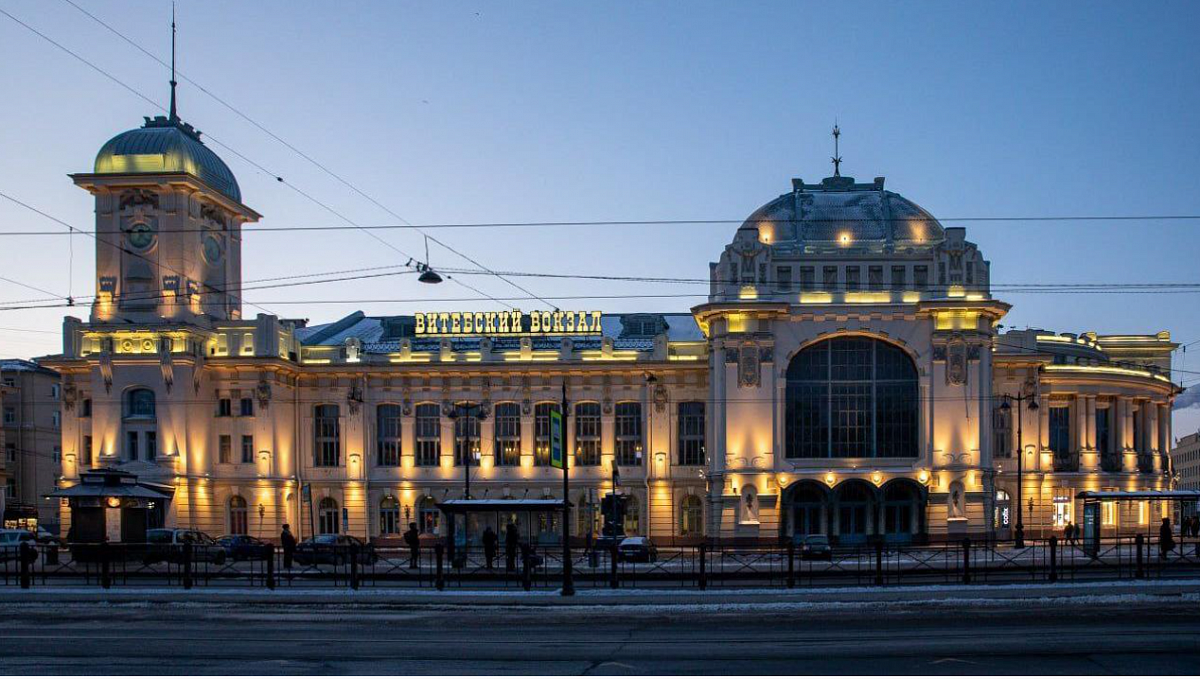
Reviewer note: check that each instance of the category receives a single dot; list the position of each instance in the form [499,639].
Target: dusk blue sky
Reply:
[501,112]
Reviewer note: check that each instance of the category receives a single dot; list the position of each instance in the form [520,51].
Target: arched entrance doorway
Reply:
[856,503]
[808,509]
[903,511]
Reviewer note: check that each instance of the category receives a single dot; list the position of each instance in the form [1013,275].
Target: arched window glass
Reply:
[430,517]
[852,397]
[541,433]
[327,436]
[508,434]
[691,517]
[587,434]
[389,516]
[466,433]
[328,518]
[633,516]
[629,433]
[387,435]
[139,403]
[238,516]
[429,434]
[691,433]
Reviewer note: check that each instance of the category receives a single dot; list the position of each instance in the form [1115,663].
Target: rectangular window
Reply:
[429,435]
[54,391]
[151,445]
[224,407]
[629,433]
[830,280]
[587,434]
[541,433]
[1060,430]
[942,274]
[1102,432]
[86,453]
[247,449]
[56,419]
[466,433]
[808,279]
[783,278]
[875,277]
[1002,433]
[246,408]
[691,433]
[327,436]
[224,449]
[921,277]
[853,281]
[57,455]
[131,445]
[508,434]
[85,410]
[10,415]
[10,450]
[1109,513]
[388,435]
[899,277]
[970,273]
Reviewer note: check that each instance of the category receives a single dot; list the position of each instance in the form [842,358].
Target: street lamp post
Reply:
[1019,534]
[461,411]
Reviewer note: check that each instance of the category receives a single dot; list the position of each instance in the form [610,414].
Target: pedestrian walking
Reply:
[1166,541]
[511,541]
[490,543]
[288,542]
[412,538]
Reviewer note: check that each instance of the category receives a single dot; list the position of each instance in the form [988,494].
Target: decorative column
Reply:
[1089,457]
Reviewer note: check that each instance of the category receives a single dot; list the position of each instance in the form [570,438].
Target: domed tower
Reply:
[169,215]
[851,340]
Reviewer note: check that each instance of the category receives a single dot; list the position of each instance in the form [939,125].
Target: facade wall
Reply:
[32,423]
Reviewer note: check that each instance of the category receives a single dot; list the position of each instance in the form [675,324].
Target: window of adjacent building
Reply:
[327,436]
[921,276]
[783,278]
[10,415]
[389,516]
[899,277]
[87,451]
[9,382]
[970,273]
[875,277]
[587,434]
[830,279]
[328,519]
[541,433]
[54,391]
[1060,429]
[56,419]
[851,397]
[10,451]
[808,278]
[691,433]
[853,280]
[691,517]
[429,435]
[85,410]
[466,434]
[508,434]
[1001,433]
[629,433]
[247,449]
[10,487]
[224,449]
[239,516]
[388,435]
[246,407]
[224,407]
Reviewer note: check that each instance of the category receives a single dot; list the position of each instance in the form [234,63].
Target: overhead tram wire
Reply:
[308,158]
[237,153]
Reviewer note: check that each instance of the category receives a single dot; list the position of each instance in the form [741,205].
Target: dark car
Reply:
[334,550]
[604,543]
[167,544]
[245,548]
[816,547]
[637,550]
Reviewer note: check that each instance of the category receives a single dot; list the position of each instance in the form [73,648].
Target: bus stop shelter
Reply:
[538,522]
[1184,504]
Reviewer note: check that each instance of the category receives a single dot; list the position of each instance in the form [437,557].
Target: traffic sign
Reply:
[556,439]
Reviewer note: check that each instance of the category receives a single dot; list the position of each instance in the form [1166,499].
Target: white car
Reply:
[10,543]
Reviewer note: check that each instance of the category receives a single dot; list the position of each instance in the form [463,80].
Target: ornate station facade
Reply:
[846,376]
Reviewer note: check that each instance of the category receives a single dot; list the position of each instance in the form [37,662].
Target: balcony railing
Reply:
[1066,463]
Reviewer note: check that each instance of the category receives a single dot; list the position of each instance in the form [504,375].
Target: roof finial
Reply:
[174,113]
[837,159]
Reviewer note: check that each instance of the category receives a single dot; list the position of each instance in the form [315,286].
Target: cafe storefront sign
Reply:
[507,323]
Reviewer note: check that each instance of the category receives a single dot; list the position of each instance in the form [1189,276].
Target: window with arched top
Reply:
[852,397]
[328,519]
[327,436]
[429,515]
[541,433]
[428,425]
[587,434]
[239,516]
[139,425]
[389,516]
[691,517]
[387,435]
[140,404]
[508,434]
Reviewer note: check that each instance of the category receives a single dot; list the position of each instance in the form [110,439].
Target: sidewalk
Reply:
[394,597]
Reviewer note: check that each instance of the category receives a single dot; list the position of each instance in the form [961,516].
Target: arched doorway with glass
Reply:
[855,516]
[328,519]
[808,505]
[903,511]
[239,516]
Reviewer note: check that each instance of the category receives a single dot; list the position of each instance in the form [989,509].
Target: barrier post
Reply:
[105,568]
[612,554]
[26,560]
[1140,542]
[1053,558]
[703,567]
[966,547]
[187,565]
[791,560]
[878,563]
[439,551]
[271,568]
[353,566]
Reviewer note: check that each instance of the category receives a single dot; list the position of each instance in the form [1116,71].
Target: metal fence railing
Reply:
[712,564]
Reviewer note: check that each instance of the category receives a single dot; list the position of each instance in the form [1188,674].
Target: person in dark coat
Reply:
[512,539]
[288,542]
[412,538]
[490,542]
[1166,541]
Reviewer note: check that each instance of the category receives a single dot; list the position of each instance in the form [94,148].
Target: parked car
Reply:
[334,550]
[245,548]
[816,547]
[604,543]
[167,544]
[10,543]
[637,549]
[45,537]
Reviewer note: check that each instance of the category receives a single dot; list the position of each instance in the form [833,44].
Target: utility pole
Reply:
[1019,541]
[568,584]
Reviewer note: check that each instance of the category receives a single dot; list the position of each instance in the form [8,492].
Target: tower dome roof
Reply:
[840,212]
[166,145]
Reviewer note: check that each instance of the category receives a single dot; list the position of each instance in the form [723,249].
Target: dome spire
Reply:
[174,117]
[837,158]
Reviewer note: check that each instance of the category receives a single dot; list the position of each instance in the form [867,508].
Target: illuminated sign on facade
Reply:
[507,323]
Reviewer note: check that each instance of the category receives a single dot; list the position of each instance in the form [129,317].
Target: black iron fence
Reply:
[713,564]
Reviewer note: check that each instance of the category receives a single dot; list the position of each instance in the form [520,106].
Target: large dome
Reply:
[164,145]
[840,213]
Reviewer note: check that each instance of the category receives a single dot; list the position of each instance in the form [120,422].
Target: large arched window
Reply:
[541,433]
[139,404]
[587,434]
[328,519]
[508,434]
[238,516]
[327,436]
[429,434]
[852,397]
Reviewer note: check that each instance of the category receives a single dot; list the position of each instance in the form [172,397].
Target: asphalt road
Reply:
[1019,637]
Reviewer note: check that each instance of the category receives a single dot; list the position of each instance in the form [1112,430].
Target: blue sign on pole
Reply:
[556,439]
